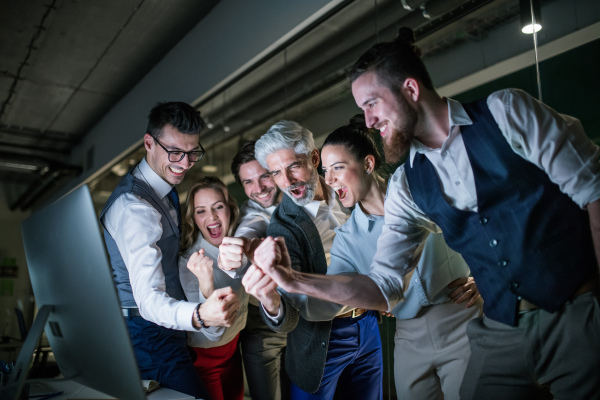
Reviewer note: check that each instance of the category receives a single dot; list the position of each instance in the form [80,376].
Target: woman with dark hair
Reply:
[211,214]
[431,347]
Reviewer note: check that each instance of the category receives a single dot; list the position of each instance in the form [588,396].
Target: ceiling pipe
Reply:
[48,172]
[442,13]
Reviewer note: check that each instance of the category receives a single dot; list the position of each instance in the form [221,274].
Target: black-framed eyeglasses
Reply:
[177,155]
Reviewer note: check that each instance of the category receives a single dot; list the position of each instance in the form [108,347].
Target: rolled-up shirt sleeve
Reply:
[313,309]
[554,142]
[405,228]
[254,220]
[252,227]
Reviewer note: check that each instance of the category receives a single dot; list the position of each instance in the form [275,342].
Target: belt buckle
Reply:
[354,313]
[525,306]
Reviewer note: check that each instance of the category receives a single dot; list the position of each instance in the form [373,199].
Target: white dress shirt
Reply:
[136,228]
[327,216]
[554,142]
[212,336]
[253,224]
[254,220]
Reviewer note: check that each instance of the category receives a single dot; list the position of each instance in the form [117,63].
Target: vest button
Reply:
[514,285]
[483,220]
[493,243]
[502,263]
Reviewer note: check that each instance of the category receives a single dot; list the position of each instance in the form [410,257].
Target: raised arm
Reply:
[275,310]
[202,267]
[356,290]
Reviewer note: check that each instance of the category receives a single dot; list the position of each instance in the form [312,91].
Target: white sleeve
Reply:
[137,230]
[554,142]
[405,228]
[252,226]
[191,288]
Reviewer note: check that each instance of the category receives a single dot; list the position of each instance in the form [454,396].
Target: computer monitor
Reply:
[73,287]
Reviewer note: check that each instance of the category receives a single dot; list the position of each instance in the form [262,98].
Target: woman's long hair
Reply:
[190,231]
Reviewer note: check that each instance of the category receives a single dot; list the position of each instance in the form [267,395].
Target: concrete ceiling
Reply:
[305,77]
[66,63]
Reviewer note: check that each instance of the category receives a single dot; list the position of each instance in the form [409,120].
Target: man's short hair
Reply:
[284,135]
[244,155]
[183,117]
[393,62]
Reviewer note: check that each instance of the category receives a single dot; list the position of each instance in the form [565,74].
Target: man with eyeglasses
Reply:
[142,221]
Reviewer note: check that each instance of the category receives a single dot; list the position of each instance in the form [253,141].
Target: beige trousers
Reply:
[432,351]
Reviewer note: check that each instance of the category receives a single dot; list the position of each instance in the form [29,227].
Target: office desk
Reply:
[72,390]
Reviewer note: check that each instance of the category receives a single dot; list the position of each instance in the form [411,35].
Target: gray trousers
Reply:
[431,352]
[547,355]
[262,351]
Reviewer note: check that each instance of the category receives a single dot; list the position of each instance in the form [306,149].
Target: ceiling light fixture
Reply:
[531,16]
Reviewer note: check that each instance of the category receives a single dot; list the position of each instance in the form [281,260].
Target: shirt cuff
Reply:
[276,319]
[185,316]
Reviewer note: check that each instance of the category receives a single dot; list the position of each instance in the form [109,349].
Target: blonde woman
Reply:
[211,215]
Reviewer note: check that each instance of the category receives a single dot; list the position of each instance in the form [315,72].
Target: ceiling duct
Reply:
[317,61]
[45,173]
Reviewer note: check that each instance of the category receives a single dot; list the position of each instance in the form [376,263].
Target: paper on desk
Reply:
[150,385]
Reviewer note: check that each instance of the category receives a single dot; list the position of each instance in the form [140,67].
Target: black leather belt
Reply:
[131,312]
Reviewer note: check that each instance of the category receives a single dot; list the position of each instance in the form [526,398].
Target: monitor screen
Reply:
[70,273]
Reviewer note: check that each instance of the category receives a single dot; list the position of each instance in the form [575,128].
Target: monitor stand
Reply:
[17,378]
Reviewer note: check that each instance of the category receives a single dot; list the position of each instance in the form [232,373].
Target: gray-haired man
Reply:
[317,351]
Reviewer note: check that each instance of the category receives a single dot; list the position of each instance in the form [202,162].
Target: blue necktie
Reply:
[174,198]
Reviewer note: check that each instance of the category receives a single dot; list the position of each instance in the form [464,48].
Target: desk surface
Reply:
[72,390]
[11,344]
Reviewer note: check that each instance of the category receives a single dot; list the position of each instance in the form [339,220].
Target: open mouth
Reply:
[298,192]
[263,195]
[215,230]
[176,170]
[342,192]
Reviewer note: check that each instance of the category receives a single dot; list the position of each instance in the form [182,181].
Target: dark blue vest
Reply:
[168,243]
[527,239]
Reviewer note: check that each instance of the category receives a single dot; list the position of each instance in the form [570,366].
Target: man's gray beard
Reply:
[311,190]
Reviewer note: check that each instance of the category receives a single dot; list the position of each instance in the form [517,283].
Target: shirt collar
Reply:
[253,205]
[365,222]
[313,207]
[160,186]
[210,250]
[457,116]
